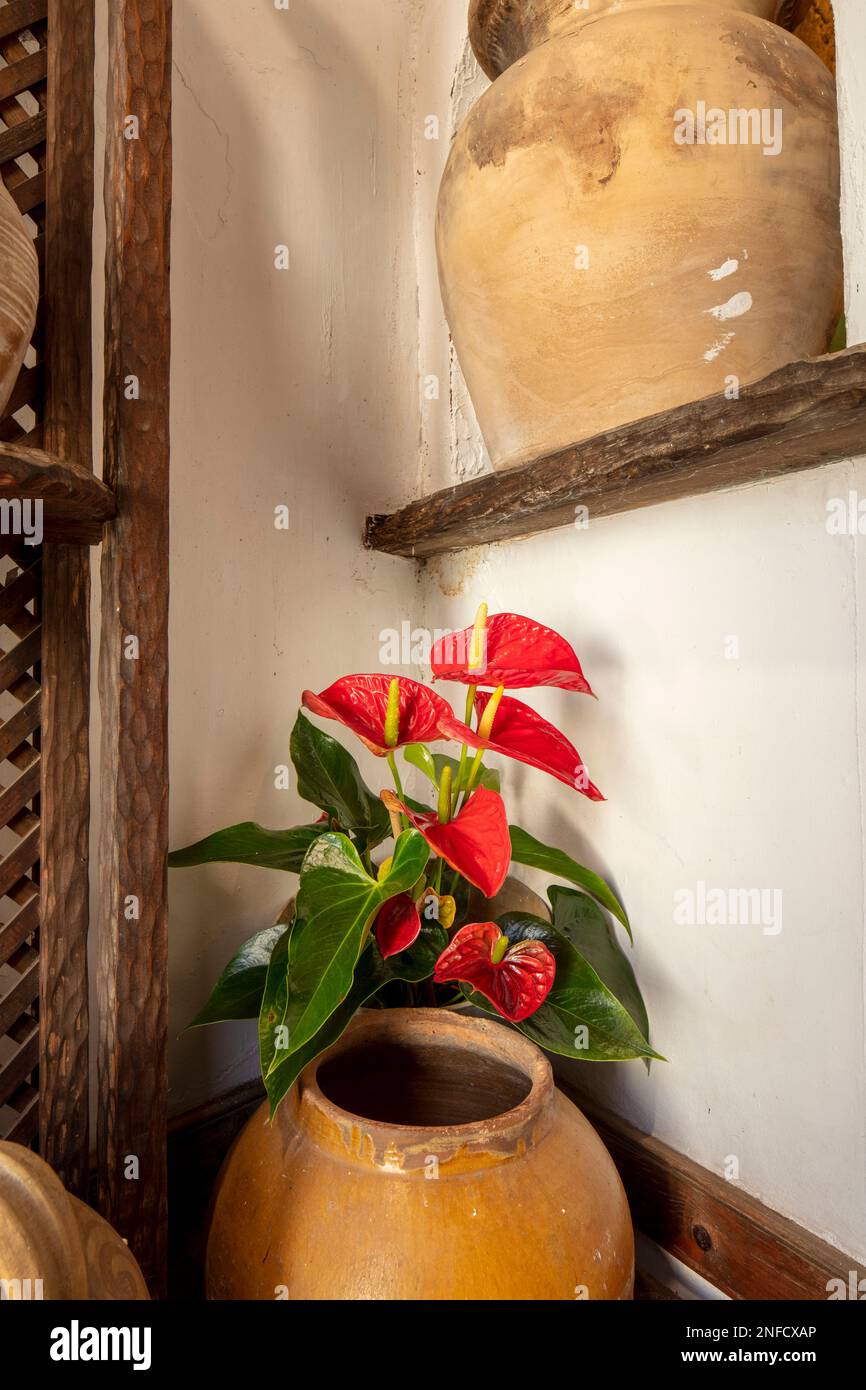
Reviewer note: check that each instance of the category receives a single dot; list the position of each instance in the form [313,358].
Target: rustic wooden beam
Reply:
[739,1245]
[63,480]
[65,487]
[131,1132]
[805,415]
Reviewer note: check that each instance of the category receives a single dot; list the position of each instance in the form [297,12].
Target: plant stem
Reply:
[398,787]
[485,728]
[455,790]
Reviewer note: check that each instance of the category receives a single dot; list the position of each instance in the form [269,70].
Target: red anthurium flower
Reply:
[522,733]
[515,978]
[361,703]
[397,925]
[476,843]
[516,652]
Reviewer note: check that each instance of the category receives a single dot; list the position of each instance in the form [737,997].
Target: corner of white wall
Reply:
[851,86]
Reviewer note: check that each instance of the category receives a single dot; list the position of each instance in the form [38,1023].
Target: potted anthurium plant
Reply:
[397,903]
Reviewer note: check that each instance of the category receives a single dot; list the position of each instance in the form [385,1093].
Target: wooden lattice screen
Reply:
[23,99]
[46,160]
[47,54]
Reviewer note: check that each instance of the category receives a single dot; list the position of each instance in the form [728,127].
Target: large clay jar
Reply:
[52,1246]
[426,1156]
[599,260]
[19,292]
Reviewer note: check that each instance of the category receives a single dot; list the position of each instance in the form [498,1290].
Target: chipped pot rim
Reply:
[409,1148]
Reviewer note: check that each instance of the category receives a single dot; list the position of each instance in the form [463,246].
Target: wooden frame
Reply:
[44,604]
[65,789]
[133,679]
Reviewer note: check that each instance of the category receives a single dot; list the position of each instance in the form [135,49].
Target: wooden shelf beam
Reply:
[76,504]
[804,415]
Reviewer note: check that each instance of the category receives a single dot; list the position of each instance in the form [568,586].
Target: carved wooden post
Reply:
[133,663]
[65,753]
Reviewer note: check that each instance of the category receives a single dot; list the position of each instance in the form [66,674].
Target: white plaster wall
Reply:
[296,387]
[743,773]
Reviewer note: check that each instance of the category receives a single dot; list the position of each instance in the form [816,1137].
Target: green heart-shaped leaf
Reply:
[274,1000]
[238,991]
[580,919]
[329,777]
[336,904]
[525,849]
[249,843]
[371,974]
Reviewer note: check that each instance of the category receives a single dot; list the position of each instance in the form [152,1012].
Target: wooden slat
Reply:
[29,193]
[27,389]
[20,659]
[20,14]
[19,591]
[133,954]
[66,489]
[803,416]
[23,1129]
[22,138]
[65,745]
[15,1072]
[19,794]
[22,992]
[21,724]
[27,72]
[21,925]
[741,1246]
[18,861]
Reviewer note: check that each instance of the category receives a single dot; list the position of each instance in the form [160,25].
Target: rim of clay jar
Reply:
[408,1148]
[490,22]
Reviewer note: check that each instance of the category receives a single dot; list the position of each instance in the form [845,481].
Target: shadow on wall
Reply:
[287,389]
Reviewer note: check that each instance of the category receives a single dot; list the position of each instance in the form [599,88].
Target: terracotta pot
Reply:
[19,292]
[51,1245]
[813,22]
[426,1156]
[596,267]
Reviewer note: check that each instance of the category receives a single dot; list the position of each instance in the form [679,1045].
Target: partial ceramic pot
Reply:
[19,292]
[426,1156]
[513,896]
[602,255]
[52,1246]
[813,22]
